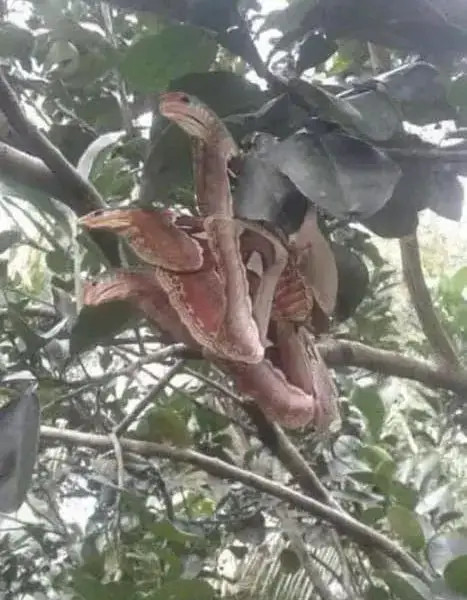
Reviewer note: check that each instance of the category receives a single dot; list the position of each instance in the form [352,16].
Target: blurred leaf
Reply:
[185,589]
[169,532]
[405,586]
[404,522]
[154,61]
[458,282]
[314,50]
[224,92]
[444,548]
[97,324]
[326,166]
[455,574]
[457,92]
[353,281]
[162,424]
[93,151]
[62,59]
[9,238]
[15,41]
[290,561]
[369,403]
[376,592]
[19,440]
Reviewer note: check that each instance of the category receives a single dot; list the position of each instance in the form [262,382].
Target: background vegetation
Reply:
[151,482]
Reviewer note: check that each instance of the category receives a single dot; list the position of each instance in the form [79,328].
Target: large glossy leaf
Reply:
[154,61]
[353,281]
[342,174]
[263,193]
[19,437]
[224,92]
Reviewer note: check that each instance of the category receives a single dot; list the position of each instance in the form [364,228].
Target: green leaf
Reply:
[95,149]
[162,424]
[154,61]
[405,586]
[62,59]
[455,574]
[290,561]
[457,92]
[185,589]
[167,531]
[369,403]
[404,522]
[99,323]
[19,440]
[376,592]
[223,91]
[15,41]
[458,281]
[9,238]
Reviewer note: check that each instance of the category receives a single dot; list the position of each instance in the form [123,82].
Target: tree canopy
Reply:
[132,465]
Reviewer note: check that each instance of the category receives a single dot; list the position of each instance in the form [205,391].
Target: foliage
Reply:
[341,88]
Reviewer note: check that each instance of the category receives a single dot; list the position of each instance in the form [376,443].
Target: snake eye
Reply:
[184,98]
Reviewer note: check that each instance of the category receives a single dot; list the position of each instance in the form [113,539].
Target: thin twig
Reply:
[344,522]
[153,392]
[421,300]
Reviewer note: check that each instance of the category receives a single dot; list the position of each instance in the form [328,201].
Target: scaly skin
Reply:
[291,384]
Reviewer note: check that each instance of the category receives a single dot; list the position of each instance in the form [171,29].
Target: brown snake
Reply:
[207,258]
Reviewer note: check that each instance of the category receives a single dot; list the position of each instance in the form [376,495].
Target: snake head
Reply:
[198,121]
[143,291]
[153,236]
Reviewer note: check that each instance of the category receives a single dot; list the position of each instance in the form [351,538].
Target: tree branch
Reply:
[340,353]
[421,300]
[61,179]
[342,521]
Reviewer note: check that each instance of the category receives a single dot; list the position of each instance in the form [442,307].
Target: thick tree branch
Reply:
[340,353]
[421,300]
[342,521]
[54,176]
[41,146]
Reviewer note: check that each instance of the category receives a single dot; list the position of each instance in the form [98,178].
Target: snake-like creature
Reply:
[200,288]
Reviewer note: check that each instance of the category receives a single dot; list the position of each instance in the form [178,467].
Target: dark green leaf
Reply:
[15,41]
[314,50]
[404,522]
[370,404]
[96,324]
[223,91]
[185,589]
[405,586]
[168,531]
[9,238]
[154,61]
[19,439]
[455,574]
[290,561]
[326,166]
